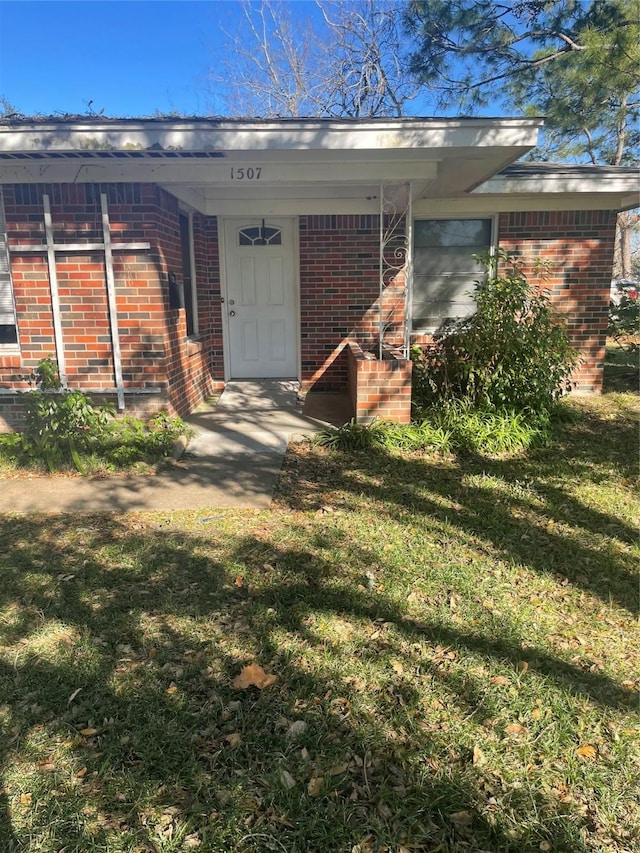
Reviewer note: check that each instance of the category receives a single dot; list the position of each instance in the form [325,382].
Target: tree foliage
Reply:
[469,52]
[348,61]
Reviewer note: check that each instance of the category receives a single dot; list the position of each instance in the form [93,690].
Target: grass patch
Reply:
[621,368]
[454,644]
[124,445]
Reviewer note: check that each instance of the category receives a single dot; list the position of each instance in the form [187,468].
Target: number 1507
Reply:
[246,173]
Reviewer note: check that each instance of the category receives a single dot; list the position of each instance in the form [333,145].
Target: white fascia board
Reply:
[622,184]
[474,205]
[261,136]
[214,172]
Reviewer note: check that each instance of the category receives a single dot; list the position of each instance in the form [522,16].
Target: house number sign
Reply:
[246,173]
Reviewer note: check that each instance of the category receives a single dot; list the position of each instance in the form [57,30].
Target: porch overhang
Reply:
[238,167]
[549,186]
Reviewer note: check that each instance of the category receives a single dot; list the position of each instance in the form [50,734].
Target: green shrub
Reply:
[624,322]
[65,428]
[59,424]
[512,354]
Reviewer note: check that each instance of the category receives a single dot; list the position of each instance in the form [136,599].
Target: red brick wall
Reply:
[155,351]
[339,295]
[579,248]
[379,389]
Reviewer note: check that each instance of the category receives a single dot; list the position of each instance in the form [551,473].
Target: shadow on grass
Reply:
[134,637]
[519,507]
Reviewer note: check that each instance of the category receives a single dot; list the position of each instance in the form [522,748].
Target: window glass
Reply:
[8,328]
[444,270]
[260,235]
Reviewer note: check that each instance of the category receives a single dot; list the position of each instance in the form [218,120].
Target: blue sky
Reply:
[129,57]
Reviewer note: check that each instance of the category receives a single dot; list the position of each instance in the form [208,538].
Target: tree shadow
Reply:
[118,614]
[518,507]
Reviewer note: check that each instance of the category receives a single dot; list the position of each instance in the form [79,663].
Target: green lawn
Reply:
[454,644]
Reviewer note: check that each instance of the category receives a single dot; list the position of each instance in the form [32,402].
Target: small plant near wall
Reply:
[65,429]
[512,354]
[490,383]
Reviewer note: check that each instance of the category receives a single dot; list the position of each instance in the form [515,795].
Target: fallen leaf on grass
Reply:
[73,695]
[172,688]
[338,769]
[499,680]
[315,786]
[523,666]
[461,819]
[88,732]
[287,779]
[233,739]
[81,773]
[587,751]
[253,675]
[516,729]
[478,757]
[297,728]
[25,799]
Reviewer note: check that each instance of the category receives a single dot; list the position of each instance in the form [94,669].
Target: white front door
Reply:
[260,299]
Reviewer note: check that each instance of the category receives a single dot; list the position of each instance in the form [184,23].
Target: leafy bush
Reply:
[512,354]
[58,423]
[64,428]
[624,321]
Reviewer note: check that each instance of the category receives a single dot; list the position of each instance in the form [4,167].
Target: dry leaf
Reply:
[88,732]
[536,714]
[172,688]
[499,680]
[287,779]
[73,695]
[233,739]
[25,799]
[239,581]
[81,773]
[545,846]
[315,786]
[463,819]
[46,766]
[338,769]
[516,729]
[252,675]
[297,728]
[152,653]
[478,757]
[587,751]
[523,666]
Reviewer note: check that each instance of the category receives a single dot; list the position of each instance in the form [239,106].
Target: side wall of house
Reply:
[161,368]
[578,247]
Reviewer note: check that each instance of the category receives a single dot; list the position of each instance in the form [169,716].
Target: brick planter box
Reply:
[379,388]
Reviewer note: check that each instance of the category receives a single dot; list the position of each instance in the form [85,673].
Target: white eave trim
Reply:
[286,135]
[561,183]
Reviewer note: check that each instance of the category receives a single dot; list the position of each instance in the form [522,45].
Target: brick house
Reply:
[157,259]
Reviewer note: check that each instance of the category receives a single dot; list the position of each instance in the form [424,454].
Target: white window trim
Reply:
[493,246]
[8,348]
[188,212]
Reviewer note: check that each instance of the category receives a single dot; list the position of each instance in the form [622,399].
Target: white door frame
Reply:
[225,224]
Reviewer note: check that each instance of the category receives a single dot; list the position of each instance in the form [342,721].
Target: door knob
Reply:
[232,313]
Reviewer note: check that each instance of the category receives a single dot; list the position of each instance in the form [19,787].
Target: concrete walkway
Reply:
[233,460]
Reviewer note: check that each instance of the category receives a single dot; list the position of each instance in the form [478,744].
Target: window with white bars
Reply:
[8,325]
[445,270]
